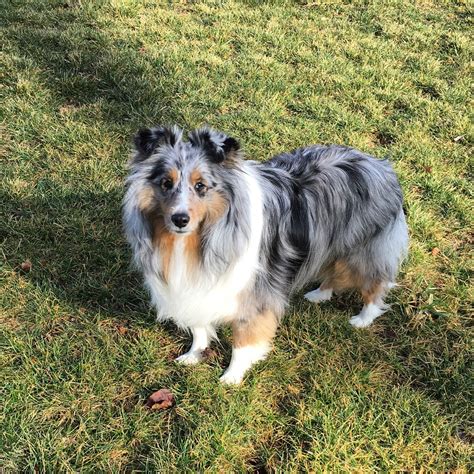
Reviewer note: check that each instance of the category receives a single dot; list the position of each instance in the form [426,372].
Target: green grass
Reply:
[392,78]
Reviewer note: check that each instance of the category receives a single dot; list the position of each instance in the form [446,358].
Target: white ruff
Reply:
[196,300]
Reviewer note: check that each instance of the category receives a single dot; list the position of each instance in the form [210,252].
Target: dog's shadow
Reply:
[77,252]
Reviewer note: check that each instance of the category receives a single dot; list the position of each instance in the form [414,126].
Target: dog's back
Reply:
[336,217]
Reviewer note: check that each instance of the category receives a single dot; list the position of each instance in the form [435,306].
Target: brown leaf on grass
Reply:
[435,251]
[26,266]
[428,169]
[122,330]
[160,400]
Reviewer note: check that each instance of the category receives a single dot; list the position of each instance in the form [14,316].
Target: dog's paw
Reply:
[368,315]
[360,322]
[189,358]
[317,296]
[231,378]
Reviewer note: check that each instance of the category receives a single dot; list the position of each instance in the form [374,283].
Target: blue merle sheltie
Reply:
[220,239]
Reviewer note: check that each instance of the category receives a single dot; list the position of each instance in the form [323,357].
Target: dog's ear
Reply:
[217,146]
[147,140]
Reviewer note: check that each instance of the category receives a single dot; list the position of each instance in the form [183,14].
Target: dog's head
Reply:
[183,184]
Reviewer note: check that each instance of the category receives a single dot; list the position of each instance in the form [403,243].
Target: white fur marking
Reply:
[201,338]
[316,296]
[367,316]
[242,359]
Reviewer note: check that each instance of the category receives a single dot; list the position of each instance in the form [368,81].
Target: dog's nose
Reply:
[180,220]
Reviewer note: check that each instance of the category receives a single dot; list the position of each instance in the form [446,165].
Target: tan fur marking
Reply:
[193,251]
[211,206]
[174,175]
[261,328]
[216,206]
[146,199]
[196,177]
[164,240]
[197,209]
[373,293]
[232,157]
[326,285]
[343,277]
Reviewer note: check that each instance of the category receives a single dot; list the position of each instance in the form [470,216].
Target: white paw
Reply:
[231,378]
[189,358]
[360,322]
[316,296]
[367,316]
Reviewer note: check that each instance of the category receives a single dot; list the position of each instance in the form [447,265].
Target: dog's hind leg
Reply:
[373,305]
[337,277]
[201,339]
[377,264]
[252,342]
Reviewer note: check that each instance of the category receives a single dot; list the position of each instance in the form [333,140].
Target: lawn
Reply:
[80,351]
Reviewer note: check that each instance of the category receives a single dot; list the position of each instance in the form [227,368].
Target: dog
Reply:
[223,240]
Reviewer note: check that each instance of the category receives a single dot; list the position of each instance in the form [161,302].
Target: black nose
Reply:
[180,220]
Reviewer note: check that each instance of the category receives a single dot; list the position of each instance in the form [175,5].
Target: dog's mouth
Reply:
[179,231]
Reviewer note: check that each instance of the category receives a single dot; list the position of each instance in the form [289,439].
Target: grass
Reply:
[80,351]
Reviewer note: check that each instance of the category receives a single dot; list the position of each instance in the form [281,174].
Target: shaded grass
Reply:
[391,79]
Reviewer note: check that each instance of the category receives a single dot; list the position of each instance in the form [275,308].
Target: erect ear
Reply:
[217,146]
[147,140]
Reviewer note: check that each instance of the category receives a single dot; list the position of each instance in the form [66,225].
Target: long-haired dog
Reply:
[223,240]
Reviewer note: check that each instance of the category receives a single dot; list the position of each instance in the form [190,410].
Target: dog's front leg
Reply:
[201,340]
[252,341]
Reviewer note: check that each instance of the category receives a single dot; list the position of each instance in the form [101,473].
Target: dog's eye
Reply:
[200,187]
[166,184]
